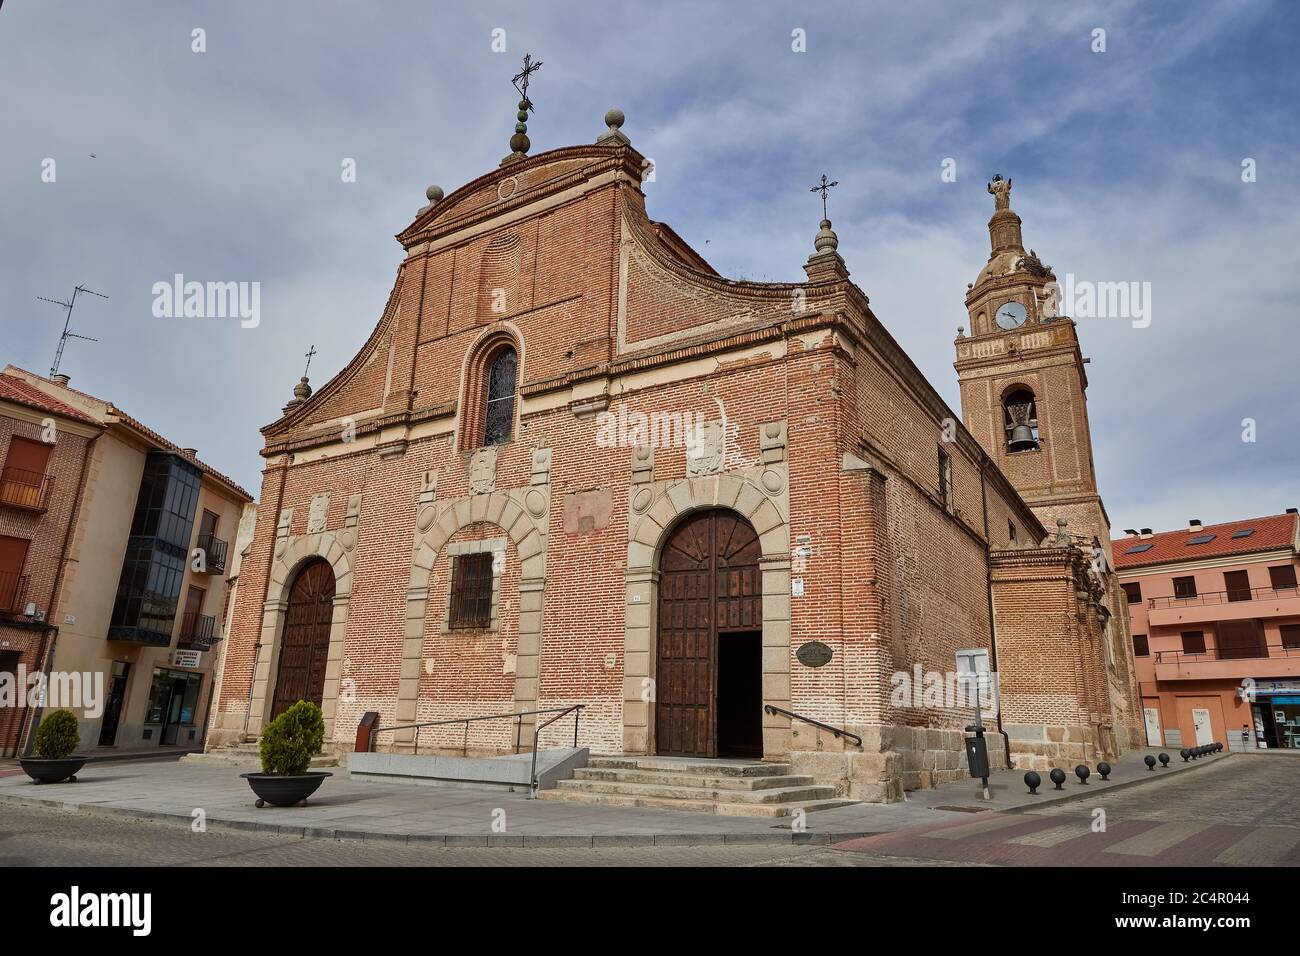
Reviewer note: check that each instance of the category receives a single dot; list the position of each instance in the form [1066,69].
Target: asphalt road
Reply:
[1239,812]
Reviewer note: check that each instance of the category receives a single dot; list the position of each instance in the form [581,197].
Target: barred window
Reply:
[499,418]
[471,592]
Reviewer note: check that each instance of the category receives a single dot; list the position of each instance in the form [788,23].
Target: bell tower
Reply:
[1023,389]
[1022,380]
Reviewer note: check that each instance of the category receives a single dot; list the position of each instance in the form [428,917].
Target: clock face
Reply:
[1011,315]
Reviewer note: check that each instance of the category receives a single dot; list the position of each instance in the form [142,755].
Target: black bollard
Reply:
[1185,754]
[1058,777]
[1103,768]
[1082,772]
[1164,760]
[1032,781]
[1150,761]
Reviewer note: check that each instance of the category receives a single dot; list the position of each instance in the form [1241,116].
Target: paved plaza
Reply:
[1226,810]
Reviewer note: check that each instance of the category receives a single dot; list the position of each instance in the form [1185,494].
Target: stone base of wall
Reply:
[1046,746]
[891,760]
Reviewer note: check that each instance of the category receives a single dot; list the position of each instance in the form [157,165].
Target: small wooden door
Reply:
[709,582]
[13,558]
[304,646]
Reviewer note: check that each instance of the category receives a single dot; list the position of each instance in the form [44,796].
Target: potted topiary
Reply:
[288,744]
[56,739]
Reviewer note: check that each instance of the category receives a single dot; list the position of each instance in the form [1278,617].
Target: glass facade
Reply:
[157,551]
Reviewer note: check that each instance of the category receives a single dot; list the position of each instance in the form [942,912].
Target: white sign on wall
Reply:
[183,658]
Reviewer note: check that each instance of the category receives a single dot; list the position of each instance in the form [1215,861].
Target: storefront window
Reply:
[173,699]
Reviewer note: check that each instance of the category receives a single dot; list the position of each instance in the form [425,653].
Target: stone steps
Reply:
[708,781]
[727,788]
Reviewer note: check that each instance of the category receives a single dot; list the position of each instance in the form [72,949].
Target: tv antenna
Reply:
[67,332]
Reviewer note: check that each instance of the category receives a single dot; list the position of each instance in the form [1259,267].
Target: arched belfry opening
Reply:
[1020,420]
[305,643]
[709,668]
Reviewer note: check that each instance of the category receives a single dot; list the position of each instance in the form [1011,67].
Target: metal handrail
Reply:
[769,709]
[518,714]
[1232,596]
[532,773]
[1216,654]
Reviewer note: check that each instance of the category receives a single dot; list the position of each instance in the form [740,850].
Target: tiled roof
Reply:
[109,409]
[20,392]
[1266,534]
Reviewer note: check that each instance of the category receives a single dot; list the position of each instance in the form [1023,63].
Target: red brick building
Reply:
[44,444]
[1216,631]
[574,464]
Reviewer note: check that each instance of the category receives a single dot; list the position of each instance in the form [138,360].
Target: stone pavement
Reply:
[1244,811]
[342,809]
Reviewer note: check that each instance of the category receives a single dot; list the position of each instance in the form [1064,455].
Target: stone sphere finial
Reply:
[614,134]
[433,193]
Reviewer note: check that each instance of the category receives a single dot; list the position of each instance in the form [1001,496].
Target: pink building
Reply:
[1215,617]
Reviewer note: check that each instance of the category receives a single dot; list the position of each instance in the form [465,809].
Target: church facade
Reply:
[575,465]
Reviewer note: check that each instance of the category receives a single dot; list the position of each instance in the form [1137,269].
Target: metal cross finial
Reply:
[823,187]
[309,355]
[520,79]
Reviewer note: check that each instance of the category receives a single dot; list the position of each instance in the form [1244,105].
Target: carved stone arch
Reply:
[291,553]
[523,514]
[760,494]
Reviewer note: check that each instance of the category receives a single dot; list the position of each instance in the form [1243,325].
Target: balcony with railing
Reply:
[13,592]
[25,490]
[197,632]
[214,553]
[1232,605]
[1230,662]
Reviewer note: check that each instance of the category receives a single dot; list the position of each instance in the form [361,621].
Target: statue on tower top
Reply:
[1000,190]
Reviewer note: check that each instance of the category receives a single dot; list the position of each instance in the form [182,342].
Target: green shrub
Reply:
[57,736]
[292,739]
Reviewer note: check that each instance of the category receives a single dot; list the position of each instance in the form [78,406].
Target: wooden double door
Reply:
[709,674]
[305,643]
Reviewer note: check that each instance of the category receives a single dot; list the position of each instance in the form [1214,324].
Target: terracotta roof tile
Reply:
[1267,534]
[19,392]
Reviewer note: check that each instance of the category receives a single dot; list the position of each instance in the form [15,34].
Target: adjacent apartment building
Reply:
[1215,614]
[114,547]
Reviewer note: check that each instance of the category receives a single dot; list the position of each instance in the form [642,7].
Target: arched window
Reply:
[1020,419]
[499,402]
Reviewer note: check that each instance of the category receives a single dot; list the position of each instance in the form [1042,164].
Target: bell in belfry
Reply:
[1022,434]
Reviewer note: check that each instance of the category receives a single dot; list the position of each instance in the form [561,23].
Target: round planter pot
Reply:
[52,769]
[284,791]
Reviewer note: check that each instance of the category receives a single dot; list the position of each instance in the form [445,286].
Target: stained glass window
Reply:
[500,415]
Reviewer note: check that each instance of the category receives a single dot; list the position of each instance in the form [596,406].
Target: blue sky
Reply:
[225,166]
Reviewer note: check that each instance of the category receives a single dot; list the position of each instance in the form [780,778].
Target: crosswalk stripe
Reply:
[1158,839]
[980,826]
[1263,847]
[1052,836]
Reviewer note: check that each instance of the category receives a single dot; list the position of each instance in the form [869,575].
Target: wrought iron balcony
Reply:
[1224,597]
[196,632]
[214,553]
[28,490]
[13,592]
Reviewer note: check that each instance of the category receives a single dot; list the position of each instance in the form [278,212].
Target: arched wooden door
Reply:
[710,590]
[305,644]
